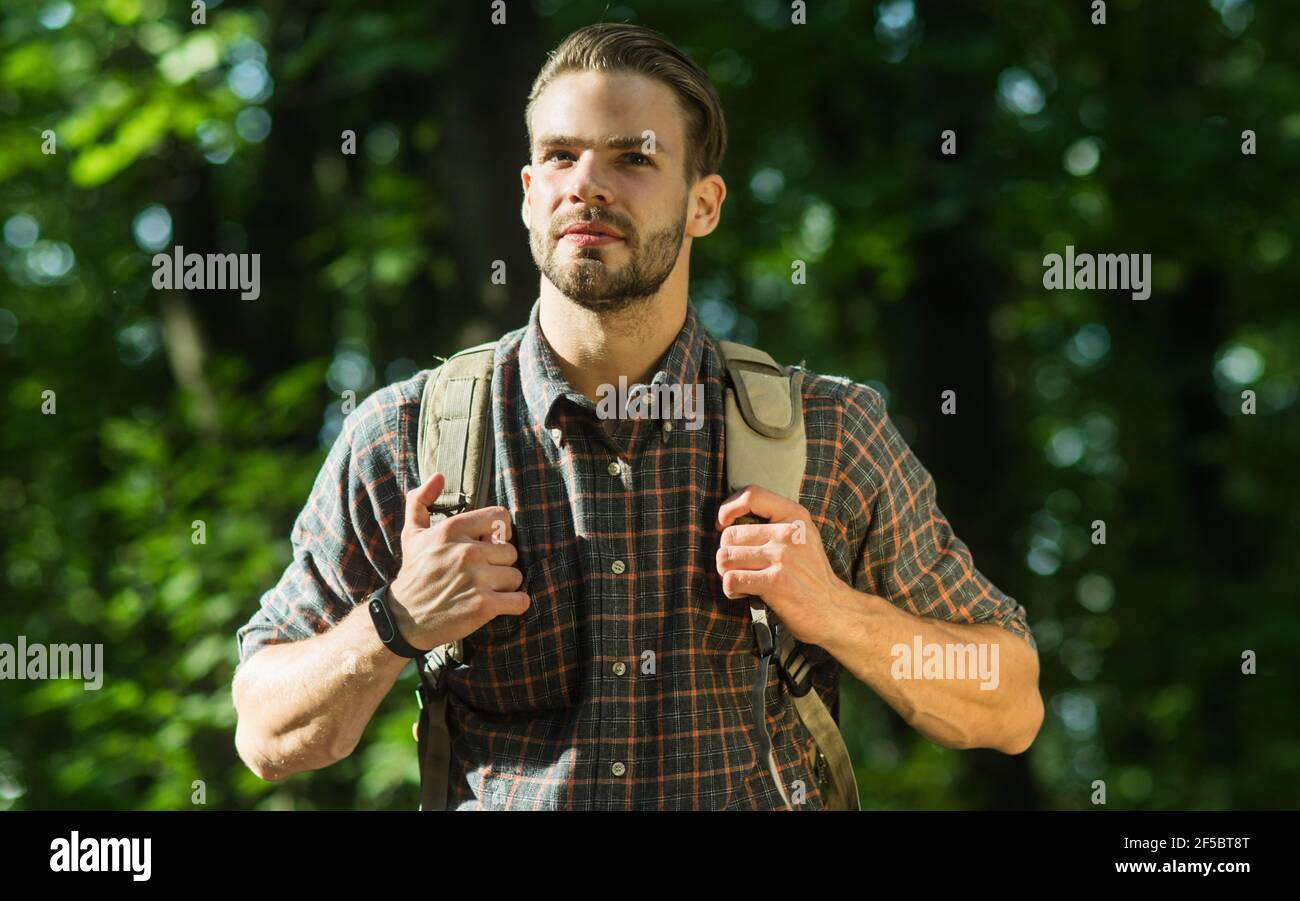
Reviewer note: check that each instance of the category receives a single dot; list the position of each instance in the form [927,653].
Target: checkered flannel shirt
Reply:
[626,683]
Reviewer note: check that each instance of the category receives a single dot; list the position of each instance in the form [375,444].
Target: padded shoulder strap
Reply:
[767,445]
[766,442]
[455,439]
[455,428]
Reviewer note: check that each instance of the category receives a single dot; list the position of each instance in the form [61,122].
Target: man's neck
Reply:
[594,349]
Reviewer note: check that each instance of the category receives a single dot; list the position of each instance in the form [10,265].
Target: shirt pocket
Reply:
[533,661]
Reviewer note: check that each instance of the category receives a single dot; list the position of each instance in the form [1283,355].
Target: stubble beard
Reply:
[589,281]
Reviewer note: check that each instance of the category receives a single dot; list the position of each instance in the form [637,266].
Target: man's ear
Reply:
[709,193]
[526,177]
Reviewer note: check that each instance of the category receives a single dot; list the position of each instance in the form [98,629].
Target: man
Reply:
[599,597]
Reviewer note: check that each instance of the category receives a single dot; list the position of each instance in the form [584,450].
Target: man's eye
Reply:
[643,159]
[554,153]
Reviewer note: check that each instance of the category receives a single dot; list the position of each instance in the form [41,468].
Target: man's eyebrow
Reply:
[609,142]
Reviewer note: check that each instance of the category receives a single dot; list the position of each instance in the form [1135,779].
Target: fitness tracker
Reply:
[387,627]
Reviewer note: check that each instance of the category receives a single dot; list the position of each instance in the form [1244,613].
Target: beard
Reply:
[589,281]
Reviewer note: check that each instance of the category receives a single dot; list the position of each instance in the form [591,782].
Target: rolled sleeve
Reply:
[910,555]
[347,538]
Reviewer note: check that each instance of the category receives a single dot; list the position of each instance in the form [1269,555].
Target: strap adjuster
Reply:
[433,682]
[763,638]
[794,669]
[459,504]
[797,686]
[431,688]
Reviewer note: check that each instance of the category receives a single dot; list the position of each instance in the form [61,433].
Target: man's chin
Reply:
[586,257]
[605,304]
[592,278]
[597,297]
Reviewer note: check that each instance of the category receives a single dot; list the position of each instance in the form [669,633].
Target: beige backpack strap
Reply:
[764,419]
[455,439]
[455,428]
[766,445]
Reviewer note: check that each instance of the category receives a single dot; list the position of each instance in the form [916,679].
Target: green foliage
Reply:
[925,274]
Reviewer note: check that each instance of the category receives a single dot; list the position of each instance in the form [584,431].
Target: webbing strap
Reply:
[433,741]
[821,725]
[758,694]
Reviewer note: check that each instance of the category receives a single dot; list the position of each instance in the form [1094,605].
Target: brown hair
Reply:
[621,47]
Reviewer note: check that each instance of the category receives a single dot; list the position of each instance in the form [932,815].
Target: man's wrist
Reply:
[401,616]
[393,624]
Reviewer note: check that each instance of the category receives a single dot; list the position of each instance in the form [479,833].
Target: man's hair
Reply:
[620,47]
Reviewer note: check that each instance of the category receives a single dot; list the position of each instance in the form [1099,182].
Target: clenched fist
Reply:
[455,576]
[781,561]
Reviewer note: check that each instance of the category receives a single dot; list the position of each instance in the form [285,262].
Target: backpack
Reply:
[765,445]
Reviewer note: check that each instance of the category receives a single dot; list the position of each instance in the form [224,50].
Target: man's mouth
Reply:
[590,235]
[586,239]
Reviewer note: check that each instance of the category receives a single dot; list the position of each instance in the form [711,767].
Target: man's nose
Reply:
[587,182]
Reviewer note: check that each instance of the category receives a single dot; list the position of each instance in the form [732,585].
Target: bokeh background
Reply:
[925,274]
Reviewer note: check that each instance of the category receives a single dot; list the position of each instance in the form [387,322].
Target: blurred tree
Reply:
[924,275]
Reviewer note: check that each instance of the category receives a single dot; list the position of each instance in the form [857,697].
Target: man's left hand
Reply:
[781,561]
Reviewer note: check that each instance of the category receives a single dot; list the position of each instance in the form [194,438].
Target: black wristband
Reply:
[386,626]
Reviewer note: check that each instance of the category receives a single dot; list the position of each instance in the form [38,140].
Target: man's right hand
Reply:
[456,575]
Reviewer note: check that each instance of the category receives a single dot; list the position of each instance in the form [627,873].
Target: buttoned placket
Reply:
[613,600]
[614,604]
[638,438]
[604,456]
[622,472]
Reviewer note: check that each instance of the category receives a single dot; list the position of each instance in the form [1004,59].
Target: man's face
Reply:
[589,172]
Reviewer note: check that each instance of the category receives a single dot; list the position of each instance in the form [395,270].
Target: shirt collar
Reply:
[545,385]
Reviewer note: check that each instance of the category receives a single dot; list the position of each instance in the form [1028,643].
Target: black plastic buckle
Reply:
[801,686]
[763,638]
[460,505]
[432,687]
[798,687]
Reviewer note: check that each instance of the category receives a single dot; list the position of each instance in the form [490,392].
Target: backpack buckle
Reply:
[433,680]
[794,669]
[458,504]
[763,639]
[800,686]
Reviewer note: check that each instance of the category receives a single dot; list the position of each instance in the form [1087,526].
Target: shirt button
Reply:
[555,435]
[620,668]
[619,567]
[614,468]
[617,768]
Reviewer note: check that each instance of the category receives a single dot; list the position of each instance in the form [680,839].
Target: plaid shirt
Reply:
[626,683]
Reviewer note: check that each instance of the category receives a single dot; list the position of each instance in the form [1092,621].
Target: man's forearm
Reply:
[303,705]
[953,712]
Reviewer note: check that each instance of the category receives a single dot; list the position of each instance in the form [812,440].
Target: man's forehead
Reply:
[606,109]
